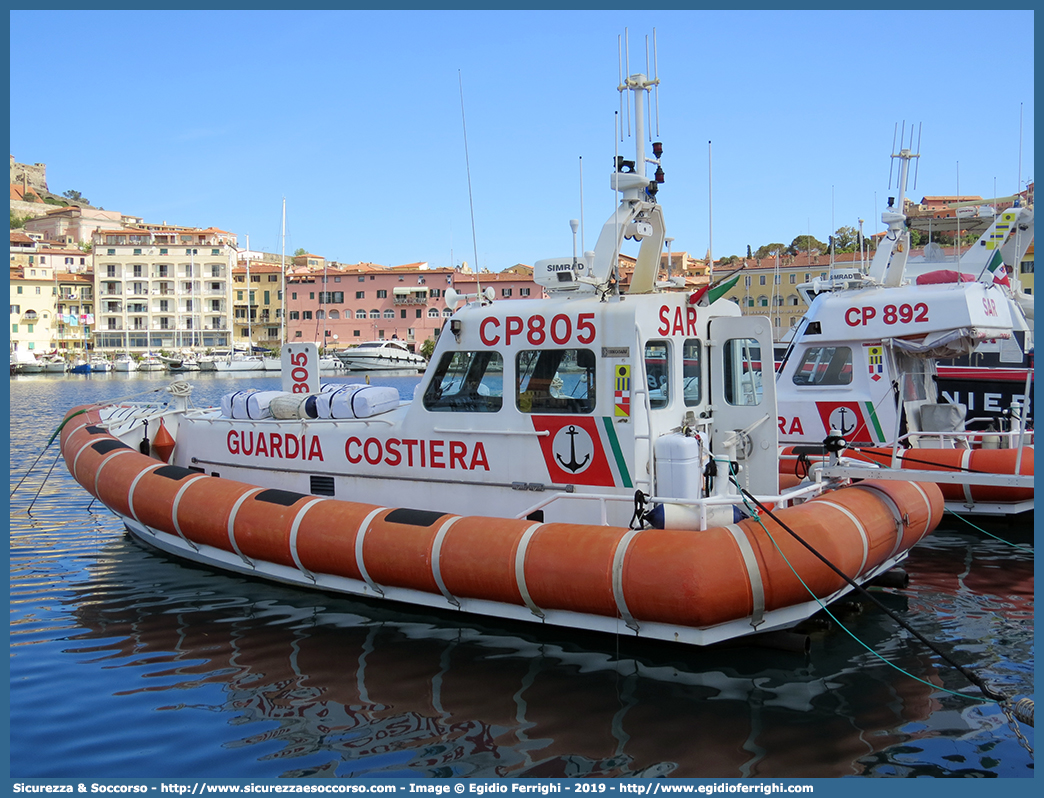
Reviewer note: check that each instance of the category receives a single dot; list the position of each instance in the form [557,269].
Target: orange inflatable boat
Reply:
[682,585]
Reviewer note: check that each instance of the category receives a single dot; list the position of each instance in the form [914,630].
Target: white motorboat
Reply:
[151,363]
[23,361]
[100,364]
[54,365]
[533,476]
[124,363]
[329,363]
[239,362]
[862,366]
[381,356]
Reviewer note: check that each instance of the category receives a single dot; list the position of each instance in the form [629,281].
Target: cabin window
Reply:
[555,381]
[469,382]
[742,379]
[657,373]
[691,371]
[825,365]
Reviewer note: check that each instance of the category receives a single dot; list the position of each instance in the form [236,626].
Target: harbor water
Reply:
[126,663]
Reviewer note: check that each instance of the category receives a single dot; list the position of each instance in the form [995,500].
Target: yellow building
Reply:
[768,287]
[262,304]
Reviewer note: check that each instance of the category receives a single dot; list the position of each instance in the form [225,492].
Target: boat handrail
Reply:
[967,435]
[538,433]
[813,488]
[641,389]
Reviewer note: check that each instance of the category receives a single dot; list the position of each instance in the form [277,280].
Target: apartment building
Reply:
[348,305]
[74,312]
[768,287]
[32,308]
[163,287]
[257,309]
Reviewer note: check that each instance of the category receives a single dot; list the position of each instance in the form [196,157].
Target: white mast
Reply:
[282,281]
[250,331]
[710,216]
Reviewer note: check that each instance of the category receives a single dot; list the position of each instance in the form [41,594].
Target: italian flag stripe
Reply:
[872,415]
[614,443]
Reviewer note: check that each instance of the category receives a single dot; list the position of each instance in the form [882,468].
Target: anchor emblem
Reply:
[838,415]
[573,465]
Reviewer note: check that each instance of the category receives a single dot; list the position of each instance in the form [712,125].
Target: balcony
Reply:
[30,316]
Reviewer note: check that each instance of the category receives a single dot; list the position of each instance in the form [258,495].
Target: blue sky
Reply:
[211,118]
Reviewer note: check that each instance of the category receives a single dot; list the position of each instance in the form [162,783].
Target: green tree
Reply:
[87,246]
[428,348]
[76,196]
[300,251]
[846,239]
[18,220]
[807,243]
[771,250]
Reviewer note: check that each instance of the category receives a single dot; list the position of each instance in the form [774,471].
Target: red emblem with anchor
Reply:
[573,450]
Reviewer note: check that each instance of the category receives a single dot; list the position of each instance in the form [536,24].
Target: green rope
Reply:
[852,634]
[990,534]
[61,426]
[989,694]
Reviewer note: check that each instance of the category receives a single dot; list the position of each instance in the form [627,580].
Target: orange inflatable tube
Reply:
[984,461]
[687,578]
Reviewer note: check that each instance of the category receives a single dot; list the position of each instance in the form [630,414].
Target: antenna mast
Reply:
[282,281]
[471,201]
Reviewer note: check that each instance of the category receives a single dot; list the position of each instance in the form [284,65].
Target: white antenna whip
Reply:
[471,201]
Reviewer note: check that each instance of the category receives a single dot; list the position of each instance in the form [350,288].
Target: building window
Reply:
[381,294]
[356,333]
[215,252]
[375,314]
[108,252]
[306,314]
[793,279]
[163,251]
[293,295]
[746,281]
[523,292]
[390,314]
[761,279]
[362,278]
[402,313]
[1027,267]
[362,294]
[505,292]
[137,251]
[297,333]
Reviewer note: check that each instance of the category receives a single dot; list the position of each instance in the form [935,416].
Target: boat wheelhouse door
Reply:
[743,400]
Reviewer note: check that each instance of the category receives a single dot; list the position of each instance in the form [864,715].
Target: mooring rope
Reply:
[971,677]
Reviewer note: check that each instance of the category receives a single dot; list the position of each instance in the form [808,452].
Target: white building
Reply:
[163,287]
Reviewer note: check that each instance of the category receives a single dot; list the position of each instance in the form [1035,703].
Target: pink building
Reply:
[348,305]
